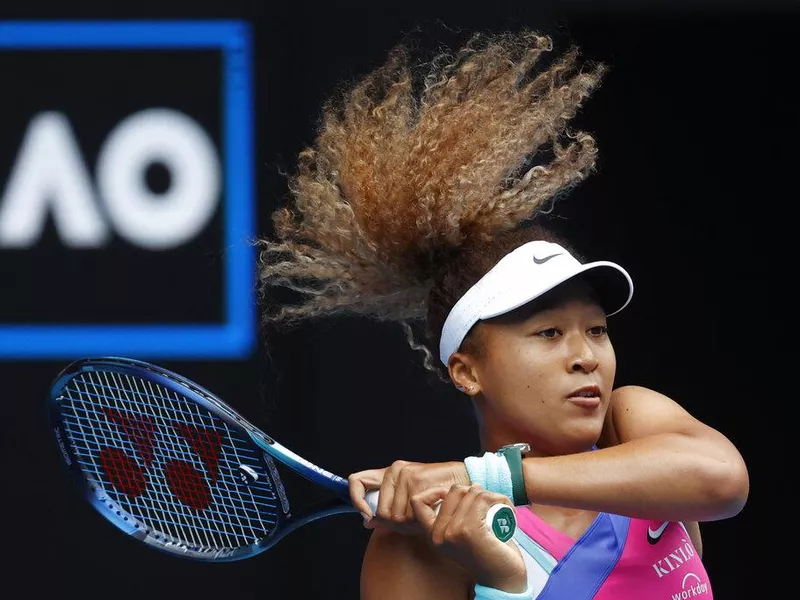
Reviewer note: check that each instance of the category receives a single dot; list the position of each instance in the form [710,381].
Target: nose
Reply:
[581,356]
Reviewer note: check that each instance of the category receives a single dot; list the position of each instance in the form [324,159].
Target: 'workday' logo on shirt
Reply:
[691,587]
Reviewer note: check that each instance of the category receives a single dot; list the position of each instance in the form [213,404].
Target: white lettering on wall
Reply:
[49,176]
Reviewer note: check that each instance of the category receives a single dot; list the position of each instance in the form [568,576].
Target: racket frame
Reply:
[287,522]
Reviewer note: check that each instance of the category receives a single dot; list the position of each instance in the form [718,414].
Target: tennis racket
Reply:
[173,466]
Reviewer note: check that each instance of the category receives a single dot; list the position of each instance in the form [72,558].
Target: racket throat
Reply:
[277,483]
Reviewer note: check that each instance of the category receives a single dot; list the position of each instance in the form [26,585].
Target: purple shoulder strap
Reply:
[589,562]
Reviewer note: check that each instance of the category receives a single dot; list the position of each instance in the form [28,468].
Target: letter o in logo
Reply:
[150,220]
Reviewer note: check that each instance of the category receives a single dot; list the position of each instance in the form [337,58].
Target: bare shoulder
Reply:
[636,411]
[633,395]
[398,567]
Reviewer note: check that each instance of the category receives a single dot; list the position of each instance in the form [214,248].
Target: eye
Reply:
[550,332]
[598,330]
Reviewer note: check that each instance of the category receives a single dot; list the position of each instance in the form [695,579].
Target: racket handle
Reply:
[500,517]
[372,499]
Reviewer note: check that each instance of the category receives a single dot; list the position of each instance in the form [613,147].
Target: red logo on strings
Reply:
[187,483]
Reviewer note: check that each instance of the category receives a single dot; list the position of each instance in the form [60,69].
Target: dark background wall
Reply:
[695,195]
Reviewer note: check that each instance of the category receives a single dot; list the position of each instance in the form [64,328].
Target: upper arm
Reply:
[636,413]
[398,567]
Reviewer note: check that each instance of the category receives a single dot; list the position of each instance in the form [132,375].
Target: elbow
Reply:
[728,487]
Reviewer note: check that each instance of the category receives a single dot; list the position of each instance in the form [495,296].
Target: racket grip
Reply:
[500,518]
[372,499]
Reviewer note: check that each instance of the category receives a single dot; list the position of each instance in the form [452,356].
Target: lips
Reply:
[587,391]
[587,396]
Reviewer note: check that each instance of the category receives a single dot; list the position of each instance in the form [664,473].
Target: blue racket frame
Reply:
[287,523]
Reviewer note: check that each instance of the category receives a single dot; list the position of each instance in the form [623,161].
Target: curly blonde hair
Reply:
[420,168]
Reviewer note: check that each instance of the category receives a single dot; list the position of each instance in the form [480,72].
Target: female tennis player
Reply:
[421,202]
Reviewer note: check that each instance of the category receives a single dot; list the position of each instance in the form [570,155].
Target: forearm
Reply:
[672,477]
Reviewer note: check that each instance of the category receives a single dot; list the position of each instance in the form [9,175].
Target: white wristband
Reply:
[486,593]
[491,472]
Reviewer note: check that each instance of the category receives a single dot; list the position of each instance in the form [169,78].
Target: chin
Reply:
[582,440]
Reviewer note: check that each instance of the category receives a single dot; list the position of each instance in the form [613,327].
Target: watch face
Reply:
[523,447]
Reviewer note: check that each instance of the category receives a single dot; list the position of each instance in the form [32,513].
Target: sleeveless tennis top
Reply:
[616,558]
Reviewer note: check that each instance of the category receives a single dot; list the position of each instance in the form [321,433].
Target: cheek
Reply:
[608,363]
[517,368]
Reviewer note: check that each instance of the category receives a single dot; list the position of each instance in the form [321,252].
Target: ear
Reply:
[463,373]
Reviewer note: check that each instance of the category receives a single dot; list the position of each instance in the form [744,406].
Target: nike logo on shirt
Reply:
[653,535]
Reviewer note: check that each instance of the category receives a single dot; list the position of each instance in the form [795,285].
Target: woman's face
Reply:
[545,374]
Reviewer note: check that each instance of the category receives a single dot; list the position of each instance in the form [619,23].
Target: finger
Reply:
[358,484]
[357,492]
[426,505]
[401,507]
[447,508]
[459,509]
[387,491]
[495,498]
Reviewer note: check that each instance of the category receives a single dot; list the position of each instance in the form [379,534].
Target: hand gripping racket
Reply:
[173,466]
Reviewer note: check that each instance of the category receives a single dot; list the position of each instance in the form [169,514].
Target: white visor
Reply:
[523,275]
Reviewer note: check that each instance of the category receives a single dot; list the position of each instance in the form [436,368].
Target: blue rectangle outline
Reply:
[235,338]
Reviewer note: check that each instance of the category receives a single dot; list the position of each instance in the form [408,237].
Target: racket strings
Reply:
[158,511]
[167,462]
